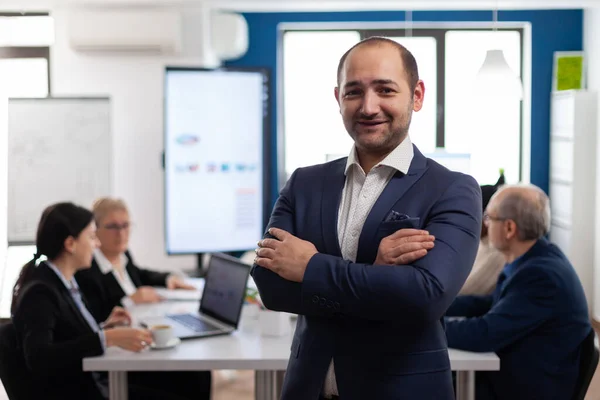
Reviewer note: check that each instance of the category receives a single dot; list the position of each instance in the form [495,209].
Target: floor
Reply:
[233,385]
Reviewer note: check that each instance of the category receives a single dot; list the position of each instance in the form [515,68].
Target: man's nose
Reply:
[370,104]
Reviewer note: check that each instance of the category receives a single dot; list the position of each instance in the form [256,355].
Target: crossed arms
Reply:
[293,276]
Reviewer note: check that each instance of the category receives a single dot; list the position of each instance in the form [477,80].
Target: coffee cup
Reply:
[161,335]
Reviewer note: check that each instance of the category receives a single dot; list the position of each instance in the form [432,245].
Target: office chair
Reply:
[14,373]
[587,366]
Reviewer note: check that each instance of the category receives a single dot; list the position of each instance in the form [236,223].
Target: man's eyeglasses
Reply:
[487,218]
[117,227]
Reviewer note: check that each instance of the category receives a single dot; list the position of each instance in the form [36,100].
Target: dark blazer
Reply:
[382,325]
[535,321]
[55,338]
[103,292]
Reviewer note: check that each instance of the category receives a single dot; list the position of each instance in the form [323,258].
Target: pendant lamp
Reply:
[495,77]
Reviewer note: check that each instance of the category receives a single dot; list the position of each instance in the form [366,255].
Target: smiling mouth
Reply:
[371,123]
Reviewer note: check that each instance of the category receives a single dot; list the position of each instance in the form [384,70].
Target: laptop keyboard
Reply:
[194,323]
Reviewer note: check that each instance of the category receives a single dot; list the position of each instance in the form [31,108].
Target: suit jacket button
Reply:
[336,306]
[329,304]
[315,299]
[323,301]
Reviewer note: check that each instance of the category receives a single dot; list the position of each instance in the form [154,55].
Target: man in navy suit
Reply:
[368,327]
[537,317]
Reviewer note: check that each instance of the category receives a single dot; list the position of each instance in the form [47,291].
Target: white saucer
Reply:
[170,344]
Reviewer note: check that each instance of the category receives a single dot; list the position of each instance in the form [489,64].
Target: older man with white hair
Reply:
[537,318]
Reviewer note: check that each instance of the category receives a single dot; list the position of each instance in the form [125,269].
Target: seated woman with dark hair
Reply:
[54,327]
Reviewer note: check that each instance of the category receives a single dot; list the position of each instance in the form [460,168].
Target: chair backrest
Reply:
[15,376]
[587,365]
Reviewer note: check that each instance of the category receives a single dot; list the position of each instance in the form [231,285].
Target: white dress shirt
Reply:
[120,275]
[360,193]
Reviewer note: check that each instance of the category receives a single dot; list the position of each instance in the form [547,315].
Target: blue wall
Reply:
[552,30]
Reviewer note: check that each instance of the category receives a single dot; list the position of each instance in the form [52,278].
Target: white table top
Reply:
[244,349]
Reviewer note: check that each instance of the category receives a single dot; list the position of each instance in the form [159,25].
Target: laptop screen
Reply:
[224,288]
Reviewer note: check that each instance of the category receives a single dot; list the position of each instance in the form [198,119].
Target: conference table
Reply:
[245,349]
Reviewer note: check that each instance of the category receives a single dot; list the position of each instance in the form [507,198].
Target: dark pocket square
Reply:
[395,216]
[386,228]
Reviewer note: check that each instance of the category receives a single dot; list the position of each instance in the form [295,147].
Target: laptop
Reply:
[221,303]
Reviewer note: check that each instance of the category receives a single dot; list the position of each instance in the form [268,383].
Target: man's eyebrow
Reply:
[376,81]
[384,82]
[351,84]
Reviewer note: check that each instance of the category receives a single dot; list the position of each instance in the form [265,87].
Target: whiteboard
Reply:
[59,149]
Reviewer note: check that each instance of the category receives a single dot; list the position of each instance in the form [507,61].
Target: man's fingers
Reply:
[401,233]
[411,257]
[268,243]
[413,239]
[406,248]
[265,252]
[279,233]
[265,263]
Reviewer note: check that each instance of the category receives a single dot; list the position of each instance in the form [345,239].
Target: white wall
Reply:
[3,176]
[135,86]
[591,45]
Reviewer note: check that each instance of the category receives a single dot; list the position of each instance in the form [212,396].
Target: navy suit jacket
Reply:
[382,325]
[535,321]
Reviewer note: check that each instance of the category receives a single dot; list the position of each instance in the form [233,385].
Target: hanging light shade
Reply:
[496,79]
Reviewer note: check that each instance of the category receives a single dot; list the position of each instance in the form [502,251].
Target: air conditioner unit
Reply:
[131,30]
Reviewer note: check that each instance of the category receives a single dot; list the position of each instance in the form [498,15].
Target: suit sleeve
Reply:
[36,319]
[152,278]
[469,306]
[146,276]
[528,301]
[423,290]
[276,293]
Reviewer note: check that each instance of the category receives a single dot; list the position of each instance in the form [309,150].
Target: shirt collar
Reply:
[399,159]
[509,269]
[69,285]
[105,265]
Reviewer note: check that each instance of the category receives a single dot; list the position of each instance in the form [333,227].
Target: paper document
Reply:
[182,294]
[179,294]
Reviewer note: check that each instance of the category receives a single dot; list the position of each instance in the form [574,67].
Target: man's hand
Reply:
[286,255]
[145,294]
[404,247]
[175,282]
[118,317]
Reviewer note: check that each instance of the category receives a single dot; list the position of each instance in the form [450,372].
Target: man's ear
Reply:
[336,93]
[511,229]
[418,96]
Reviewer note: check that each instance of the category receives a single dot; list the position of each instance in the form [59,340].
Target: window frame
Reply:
[9,52]
[436,30]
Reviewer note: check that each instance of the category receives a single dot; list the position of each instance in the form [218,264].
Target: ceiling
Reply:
[310,5]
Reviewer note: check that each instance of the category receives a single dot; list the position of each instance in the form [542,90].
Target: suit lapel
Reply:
[393,192]
[133,274]
[50,277]
[333,185]
[114,288]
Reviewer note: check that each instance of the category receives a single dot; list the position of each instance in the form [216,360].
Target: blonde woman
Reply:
[114,279]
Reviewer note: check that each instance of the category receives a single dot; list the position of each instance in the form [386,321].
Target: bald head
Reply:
[408,60]
[527,205]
